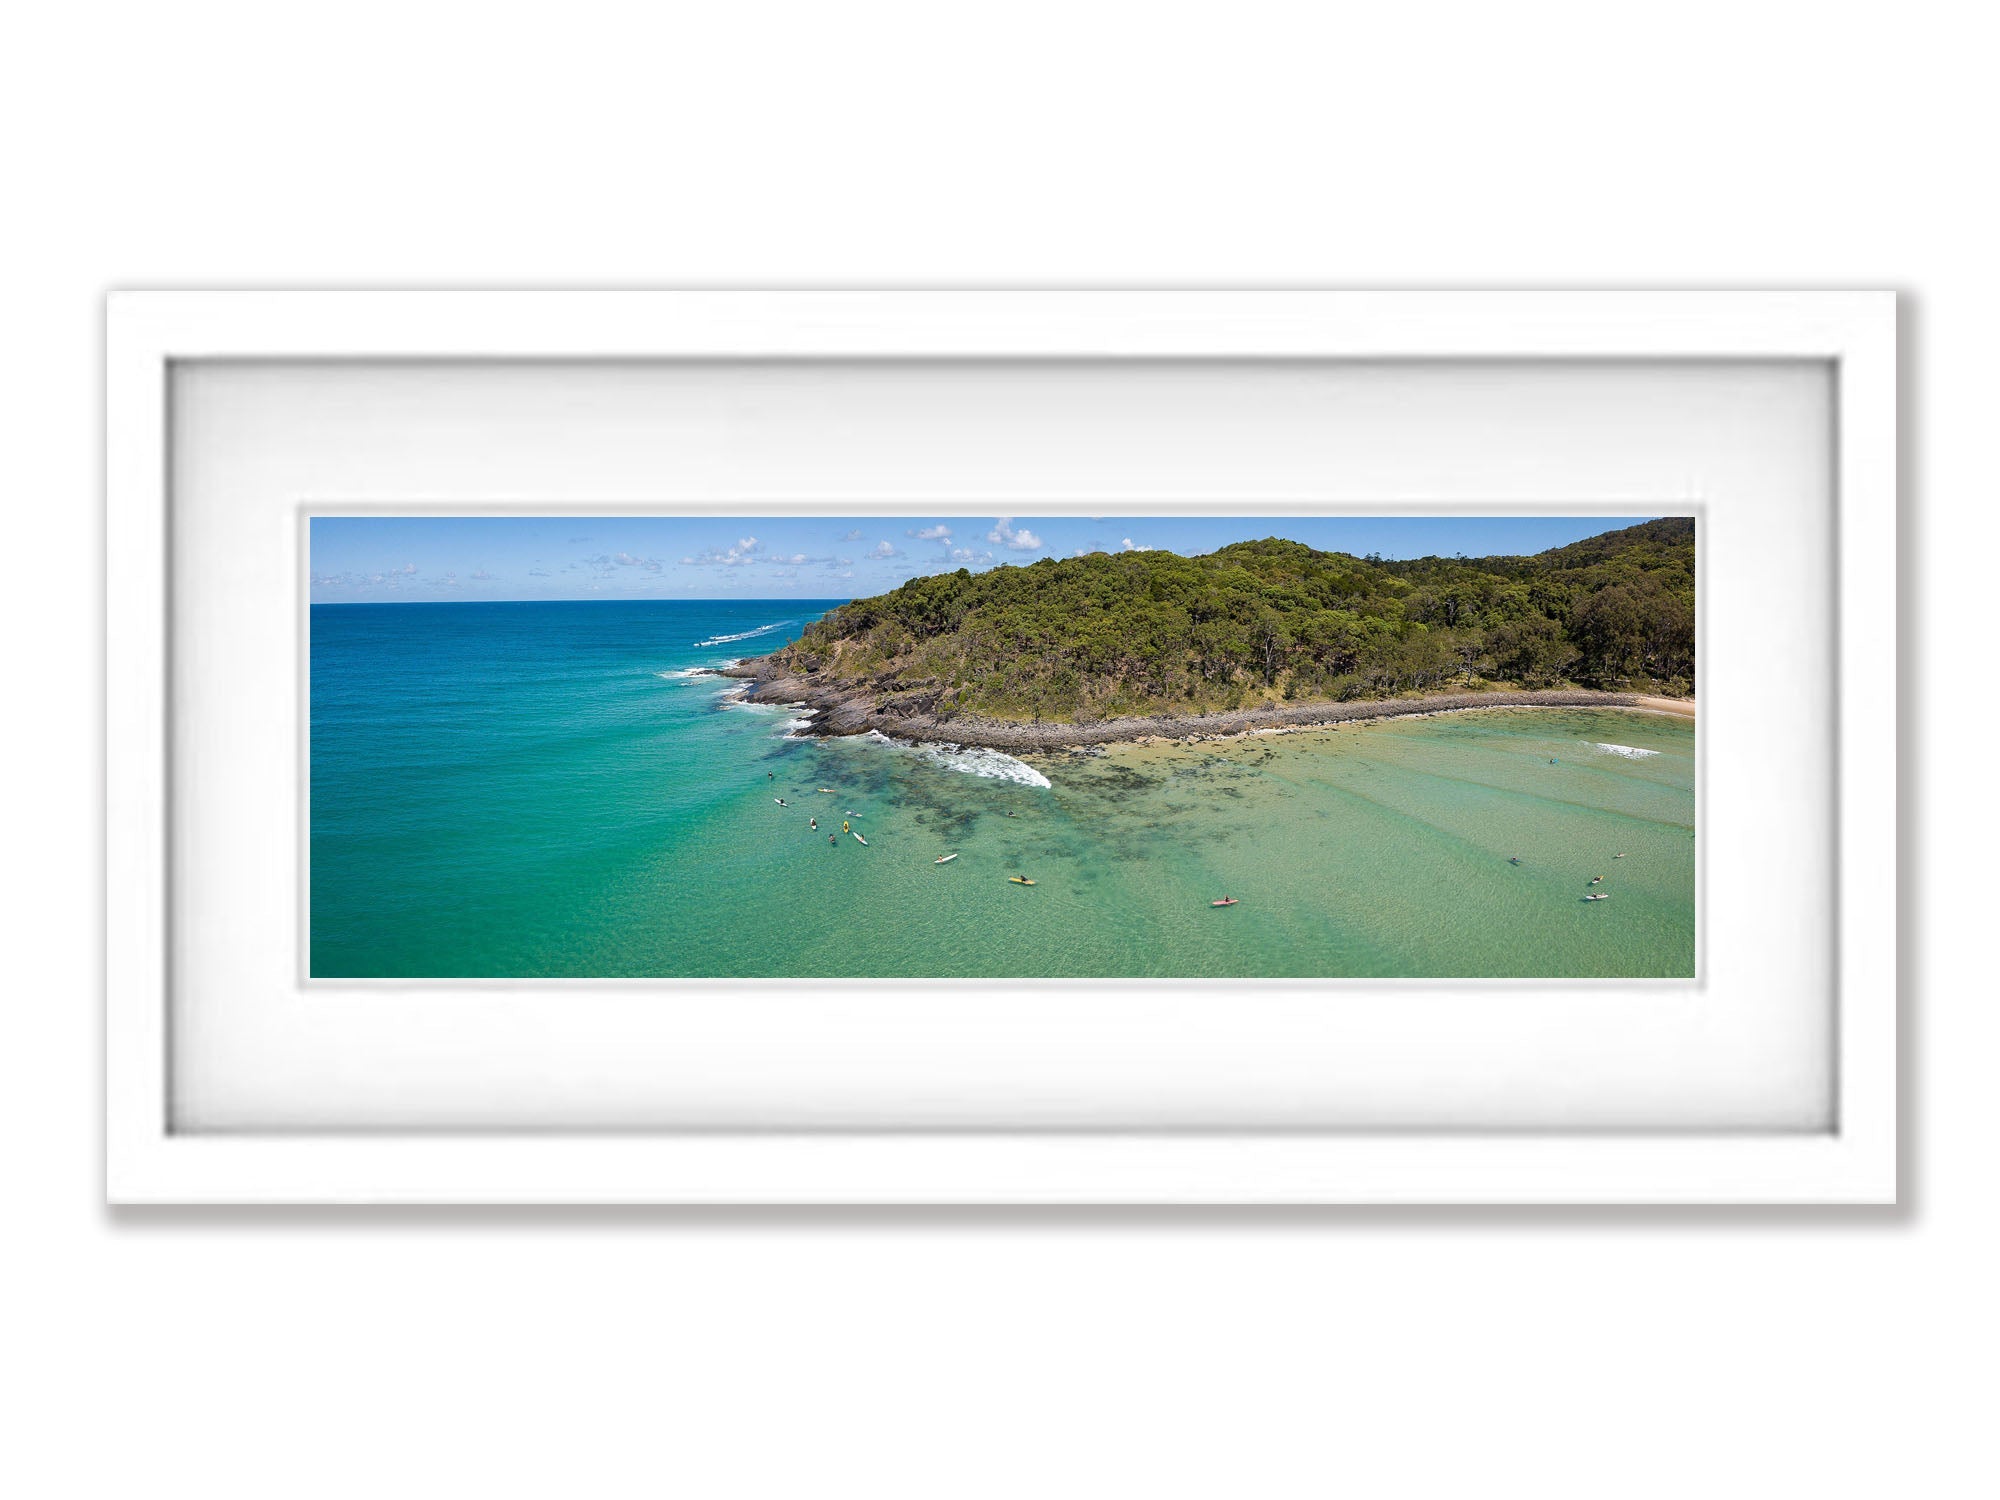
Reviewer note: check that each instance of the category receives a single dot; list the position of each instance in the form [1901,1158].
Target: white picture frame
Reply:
[148,1160]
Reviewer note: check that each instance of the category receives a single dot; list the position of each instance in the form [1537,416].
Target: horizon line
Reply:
[354,571]
[615,599]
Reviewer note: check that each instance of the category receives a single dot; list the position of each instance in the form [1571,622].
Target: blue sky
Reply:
[409,558]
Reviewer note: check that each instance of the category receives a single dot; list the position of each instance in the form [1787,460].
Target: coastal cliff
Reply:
[1258,635]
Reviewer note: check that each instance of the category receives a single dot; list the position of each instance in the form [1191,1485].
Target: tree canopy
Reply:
[1106,634]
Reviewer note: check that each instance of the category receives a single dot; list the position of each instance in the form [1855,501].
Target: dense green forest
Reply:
[1093,637]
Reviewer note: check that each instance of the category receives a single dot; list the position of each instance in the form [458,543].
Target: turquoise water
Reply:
[535,790]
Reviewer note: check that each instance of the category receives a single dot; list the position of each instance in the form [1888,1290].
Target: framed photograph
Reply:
[1001,747]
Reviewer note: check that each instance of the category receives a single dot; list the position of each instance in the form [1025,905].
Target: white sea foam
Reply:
[723,640]
[686,674]
[1630,752]
[796,715]
[973,760]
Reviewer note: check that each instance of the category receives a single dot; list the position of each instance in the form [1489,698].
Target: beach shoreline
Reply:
[844,710]
[1682,708]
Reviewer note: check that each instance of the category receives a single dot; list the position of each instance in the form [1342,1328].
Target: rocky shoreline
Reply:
[847,710]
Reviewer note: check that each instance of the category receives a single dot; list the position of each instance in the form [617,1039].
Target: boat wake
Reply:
[723,640]
[1630,752]
[972,760]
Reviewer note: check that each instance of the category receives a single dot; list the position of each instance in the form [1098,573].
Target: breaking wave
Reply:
[685,674]
[973,760]
[723,640]
[1630,752]
[796,715]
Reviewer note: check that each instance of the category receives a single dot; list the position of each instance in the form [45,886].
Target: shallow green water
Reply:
[520,791]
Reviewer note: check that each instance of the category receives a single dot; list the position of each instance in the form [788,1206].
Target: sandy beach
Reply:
[846,710]
[1682,707]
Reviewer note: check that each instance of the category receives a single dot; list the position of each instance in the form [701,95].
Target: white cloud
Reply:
[852,536]
[795,560]
[482,576]
[1128,546]
[1016,539]
[740,555]
[882,549]
[931,534]
[967,555]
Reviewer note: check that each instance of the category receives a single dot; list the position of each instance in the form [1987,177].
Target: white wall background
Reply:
[1447,1353]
